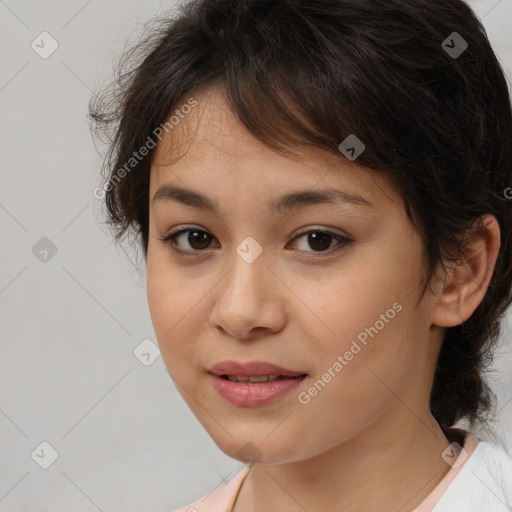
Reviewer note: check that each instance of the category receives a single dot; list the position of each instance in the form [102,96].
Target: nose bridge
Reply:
[246,280]
[247,296]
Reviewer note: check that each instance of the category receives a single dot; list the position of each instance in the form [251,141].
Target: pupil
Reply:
[318,240]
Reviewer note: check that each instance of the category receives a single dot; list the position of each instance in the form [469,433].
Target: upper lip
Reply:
[252,369]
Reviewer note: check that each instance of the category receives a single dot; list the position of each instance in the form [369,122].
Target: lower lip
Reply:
[256,394]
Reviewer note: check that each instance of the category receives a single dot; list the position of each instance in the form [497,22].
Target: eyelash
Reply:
[171,237]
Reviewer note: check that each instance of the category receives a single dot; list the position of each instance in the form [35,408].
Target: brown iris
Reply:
[319,241]
[202,238]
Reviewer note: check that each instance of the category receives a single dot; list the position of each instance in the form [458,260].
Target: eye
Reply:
[200,240]
[320,241]
[197,239]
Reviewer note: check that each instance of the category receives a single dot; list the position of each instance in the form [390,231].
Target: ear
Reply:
[467,282]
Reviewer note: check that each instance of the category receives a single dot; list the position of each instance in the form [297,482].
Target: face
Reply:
[326,288]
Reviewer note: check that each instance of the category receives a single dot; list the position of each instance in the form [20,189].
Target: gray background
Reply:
[70,324]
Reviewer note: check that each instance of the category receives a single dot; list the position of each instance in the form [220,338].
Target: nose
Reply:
[249,302]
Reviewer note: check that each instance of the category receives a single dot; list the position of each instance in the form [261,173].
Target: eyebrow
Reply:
[285,203]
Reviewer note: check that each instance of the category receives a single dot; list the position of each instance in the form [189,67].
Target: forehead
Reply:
[212,149]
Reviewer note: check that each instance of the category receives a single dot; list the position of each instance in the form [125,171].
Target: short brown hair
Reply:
[315,71]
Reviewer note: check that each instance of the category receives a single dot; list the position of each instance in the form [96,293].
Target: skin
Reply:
[367,441]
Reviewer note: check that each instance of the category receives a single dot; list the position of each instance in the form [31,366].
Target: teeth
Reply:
[233,378]
[262,378]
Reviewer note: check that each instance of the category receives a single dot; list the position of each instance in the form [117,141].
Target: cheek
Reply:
[171,299]
[179,299]
[369,319]
[361,301]
[354,382]
[175,335]
[169,293]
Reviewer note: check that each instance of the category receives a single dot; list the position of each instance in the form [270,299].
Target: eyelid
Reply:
[315,228]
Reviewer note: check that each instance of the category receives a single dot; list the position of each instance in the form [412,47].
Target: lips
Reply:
[255,383]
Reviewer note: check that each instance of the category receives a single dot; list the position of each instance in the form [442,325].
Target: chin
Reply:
[258,449]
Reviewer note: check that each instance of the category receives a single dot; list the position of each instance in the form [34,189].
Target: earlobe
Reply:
[467,282]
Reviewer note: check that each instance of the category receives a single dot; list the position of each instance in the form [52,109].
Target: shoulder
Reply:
[483,484]
[221,499]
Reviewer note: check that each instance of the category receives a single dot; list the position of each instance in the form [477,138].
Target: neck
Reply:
[390,472]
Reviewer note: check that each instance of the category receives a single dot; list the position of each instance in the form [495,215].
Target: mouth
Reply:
[247,379]
[247,371]
[255,383]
